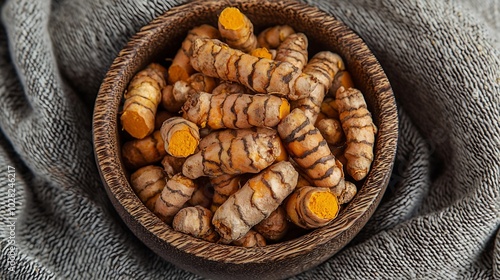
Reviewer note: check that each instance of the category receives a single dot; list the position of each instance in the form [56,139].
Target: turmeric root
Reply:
[216,59]
[317,77]
[141,101]
[237,30]
[173,97]
[249,154]
[346,194]
[311,207]
[235,110]
[272,37]
[329,108]
[359,129]
[224,186]
[181,68]
[293,50]
[250,239]
[141,152]
[172,165]
[202,196]
[230,88]
[274,227]
[262,53]
[177,191]
[180,137]
[148,182]
[331,131]
[195,221]
[255,201]
[307,147]
[341,79]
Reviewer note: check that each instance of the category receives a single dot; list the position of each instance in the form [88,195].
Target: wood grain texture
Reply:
[163,35]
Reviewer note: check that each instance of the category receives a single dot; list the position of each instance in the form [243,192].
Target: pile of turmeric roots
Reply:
[253,134]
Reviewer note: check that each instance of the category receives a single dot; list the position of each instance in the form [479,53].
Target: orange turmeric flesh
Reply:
[323,205]
[182,143]
[231,18]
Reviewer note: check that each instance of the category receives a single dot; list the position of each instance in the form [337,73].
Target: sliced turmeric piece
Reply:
[307,147]
[250,239]
[293,50]
[317,77]
[272,37]
[311,207]
[255,201]
[235,110]
[249,154]
[180,137]
[274,227]
[359,129]
[237,30]
[141,152]
[216,59]
[148,182]
[197,222]
[141,101]
[181,68]
[177,191]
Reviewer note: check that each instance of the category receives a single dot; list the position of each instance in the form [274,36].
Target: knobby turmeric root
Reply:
[181,68]
[216,59]
[311,207]
[341,79]
[237,30]
[173,97]
[346,194]
[293,50]
[250,239]
[255,201]
[274,227]
[307,147]
[141,101]
[272,37]
[331,130]
[148,182]
[317,78]
[235,110]
[359,129]
[197,222]
[224,186]
[249,154]
[180,137]
[141,152]
[177,191]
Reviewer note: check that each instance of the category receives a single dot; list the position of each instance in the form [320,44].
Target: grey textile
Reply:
[441,214]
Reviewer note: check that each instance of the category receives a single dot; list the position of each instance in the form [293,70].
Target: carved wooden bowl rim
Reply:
[138,52]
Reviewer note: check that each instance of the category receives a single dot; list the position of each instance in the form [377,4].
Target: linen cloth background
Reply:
[438,219]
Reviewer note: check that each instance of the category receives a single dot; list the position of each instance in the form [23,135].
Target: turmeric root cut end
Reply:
[324,205]
[134,124]
[231,18]
[182,144]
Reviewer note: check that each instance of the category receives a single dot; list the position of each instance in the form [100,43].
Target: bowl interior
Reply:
[161,38]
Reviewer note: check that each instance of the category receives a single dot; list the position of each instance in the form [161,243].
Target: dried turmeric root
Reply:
[272,37]
[141,101]
[293,50]
[177,191]
[307,147]
[359,129]
[341,79]
[148,182]
[224,186]
[235,110]
[141,152]
[173,97]
[216,59]
[274,227]
[311,207]
[197,222]
[317,77]
[331,130]
[237,30]
[250,239]
[249,154]
[181,68]
[180,137]
[255,201]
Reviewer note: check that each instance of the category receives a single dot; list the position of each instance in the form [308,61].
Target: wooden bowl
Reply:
[162,37]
